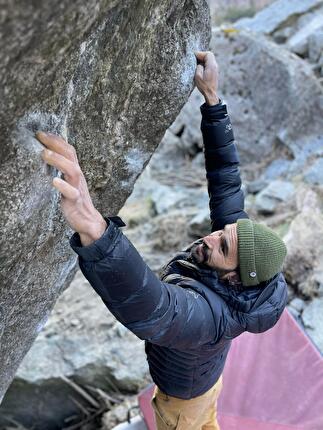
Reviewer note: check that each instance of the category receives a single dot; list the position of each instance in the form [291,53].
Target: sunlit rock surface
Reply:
[274,98]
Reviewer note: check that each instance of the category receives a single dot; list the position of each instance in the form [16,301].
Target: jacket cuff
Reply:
[100,247]
[215,112]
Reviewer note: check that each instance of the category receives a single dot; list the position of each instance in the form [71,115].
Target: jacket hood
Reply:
[254,309]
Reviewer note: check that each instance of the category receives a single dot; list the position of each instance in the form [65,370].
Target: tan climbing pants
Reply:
[199,413]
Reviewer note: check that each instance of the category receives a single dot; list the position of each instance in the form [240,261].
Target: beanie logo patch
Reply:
[252,274]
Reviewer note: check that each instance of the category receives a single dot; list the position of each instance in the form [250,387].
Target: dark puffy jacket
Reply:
[188,317]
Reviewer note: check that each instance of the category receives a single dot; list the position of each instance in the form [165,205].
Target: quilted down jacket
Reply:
[187,316]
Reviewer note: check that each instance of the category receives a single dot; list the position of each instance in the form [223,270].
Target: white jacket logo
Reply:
[194,294]
[228,127]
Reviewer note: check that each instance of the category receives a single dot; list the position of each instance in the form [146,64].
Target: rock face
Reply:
[260,81]
[110,76]
[304,244]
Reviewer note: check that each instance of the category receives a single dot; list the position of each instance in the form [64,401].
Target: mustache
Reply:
[202,256]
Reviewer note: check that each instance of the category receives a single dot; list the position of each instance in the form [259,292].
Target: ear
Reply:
[233,277]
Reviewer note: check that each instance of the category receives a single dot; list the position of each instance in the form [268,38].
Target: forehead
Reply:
[229,227]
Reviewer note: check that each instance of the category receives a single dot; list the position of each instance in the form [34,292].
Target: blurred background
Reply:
[271,79]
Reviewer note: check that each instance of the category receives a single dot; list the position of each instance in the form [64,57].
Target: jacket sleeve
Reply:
[222,167]
[156,311]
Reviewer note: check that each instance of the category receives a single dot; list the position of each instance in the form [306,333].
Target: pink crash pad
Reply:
[271,381]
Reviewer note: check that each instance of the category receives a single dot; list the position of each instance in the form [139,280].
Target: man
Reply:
[220,286]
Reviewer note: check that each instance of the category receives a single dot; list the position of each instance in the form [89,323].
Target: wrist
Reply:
[211,99]
[93,232]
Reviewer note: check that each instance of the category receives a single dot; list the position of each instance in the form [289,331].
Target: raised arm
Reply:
[221,155]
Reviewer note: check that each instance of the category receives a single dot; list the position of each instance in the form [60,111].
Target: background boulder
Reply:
[261,82]
[278,14]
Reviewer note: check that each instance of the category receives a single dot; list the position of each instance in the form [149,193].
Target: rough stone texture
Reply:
[82,341]
[296,24]
[277,192]
[108,75]
[187,124]
[119,414]
[278,168]
[200,224]
[312,317]
[277,14]
[304,243]
[255,186]
[315,46]
[267,116]
[297,304]
[136,423]
[298,43]
[220,8]
[314,174]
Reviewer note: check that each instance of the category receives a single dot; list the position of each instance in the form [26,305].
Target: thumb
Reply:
[200,55]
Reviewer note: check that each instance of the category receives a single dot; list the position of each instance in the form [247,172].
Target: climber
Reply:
[218,287]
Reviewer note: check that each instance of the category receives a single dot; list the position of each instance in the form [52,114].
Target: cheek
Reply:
[215,258]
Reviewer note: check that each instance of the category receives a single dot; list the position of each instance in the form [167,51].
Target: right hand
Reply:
[207,76]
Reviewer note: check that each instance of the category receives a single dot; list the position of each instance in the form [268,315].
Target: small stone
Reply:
[299,42]
[137,212]
[199,161]
[294,312]
[277,168]
[313,321]
[200,225]
[297,304]
[320,61]
[280,36]
[74,322]
[255,186]
[275,193]
[249,202]
[304,243]
[166,198]
[315,43]
[318,278]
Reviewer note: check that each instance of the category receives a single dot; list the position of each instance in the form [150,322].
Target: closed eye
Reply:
[224,246]
[206,251]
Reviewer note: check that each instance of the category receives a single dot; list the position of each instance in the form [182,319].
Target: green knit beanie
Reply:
[261,252]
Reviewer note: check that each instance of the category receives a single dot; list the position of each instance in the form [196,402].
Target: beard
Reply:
[198,253]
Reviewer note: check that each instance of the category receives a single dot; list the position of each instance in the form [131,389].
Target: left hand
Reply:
[76,202]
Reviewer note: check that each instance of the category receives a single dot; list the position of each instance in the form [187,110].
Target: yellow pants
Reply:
[199,413]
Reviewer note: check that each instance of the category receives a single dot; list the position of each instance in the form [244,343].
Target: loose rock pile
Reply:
[297,25]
